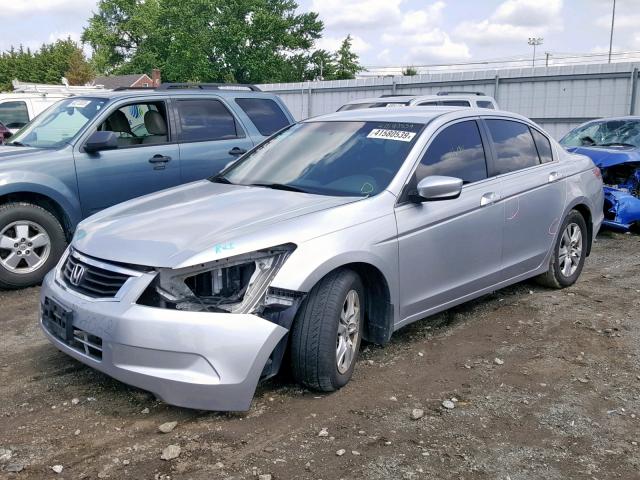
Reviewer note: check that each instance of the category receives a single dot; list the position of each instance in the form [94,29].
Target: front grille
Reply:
[94,282]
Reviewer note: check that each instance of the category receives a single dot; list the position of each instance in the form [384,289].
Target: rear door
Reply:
[449,249]
[210,136]
[533,191]
[147,158]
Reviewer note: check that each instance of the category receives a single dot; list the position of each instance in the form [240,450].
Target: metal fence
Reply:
[556,97]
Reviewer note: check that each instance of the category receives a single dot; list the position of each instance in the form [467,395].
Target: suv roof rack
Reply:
[387,95]
[123,89]
[453,92]
[208,86]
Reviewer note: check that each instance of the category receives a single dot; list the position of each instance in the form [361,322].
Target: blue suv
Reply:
[87,153]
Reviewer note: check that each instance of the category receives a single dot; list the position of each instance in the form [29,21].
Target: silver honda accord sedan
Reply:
[338,229]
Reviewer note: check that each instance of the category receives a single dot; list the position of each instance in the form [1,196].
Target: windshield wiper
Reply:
[279,186]
[17,144]
[220,179]
[615,144]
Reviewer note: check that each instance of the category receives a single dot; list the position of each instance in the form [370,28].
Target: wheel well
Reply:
[586,214]
[42,201]
[378,324]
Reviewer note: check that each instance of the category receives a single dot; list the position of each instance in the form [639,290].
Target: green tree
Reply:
[79,71]
[203,40]
[347,61]
[410,71]
[46,65]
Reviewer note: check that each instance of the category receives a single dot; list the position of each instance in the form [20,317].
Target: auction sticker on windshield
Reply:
[384,134]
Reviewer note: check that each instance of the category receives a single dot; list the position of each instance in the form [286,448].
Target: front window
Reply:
[328,158]
[59,124]
[606,133]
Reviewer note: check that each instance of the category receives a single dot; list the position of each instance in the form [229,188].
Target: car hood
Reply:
[195,223]
[8,152]
[605,157]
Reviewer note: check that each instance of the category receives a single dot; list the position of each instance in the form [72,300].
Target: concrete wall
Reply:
[558,98]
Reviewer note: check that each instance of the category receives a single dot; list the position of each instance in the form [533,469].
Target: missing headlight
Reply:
[237,284]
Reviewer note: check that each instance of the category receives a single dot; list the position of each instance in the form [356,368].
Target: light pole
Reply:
[534,42]
[613,20]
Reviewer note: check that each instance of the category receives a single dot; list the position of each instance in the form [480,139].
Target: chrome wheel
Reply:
[348,331]
[570,250]
[24,247]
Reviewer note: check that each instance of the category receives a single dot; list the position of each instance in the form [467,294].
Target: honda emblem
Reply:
[76,275]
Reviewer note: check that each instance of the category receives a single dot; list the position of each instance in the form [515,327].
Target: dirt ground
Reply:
[546,385]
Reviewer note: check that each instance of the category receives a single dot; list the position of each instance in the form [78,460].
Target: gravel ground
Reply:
[544,384]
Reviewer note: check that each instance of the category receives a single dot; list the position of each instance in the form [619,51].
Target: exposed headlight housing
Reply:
[235,285]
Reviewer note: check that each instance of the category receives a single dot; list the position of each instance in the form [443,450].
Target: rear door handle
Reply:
[159,159]
[237,151]
[489,198]
[554,177]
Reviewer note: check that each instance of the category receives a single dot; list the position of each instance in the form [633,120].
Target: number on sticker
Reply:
[384,134]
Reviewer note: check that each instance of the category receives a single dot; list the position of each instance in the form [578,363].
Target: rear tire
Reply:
[31,242]
[569,253]
[326,334]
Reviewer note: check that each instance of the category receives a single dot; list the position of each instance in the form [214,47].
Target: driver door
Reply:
[449,249]
[146,160]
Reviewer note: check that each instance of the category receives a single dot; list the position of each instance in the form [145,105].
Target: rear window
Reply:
[514,146]
[265,114]
[202,120]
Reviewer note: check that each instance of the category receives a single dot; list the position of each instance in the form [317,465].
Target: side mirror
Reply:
[436,187]
[99,141]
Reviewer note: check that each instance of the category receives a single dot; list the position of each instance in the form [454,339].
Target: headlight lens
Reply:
[237,284]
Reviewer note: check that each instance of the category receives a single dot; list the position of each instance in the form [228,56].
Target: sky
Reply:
[402,32]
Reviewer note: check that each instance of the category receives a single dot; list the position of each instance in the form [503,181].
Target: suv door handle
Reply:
[159,159]
[554,177]
[237,151]
[489,198]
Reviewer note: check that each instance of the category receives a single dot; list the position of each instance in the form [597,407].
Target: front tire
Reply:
[31,242]
[569,253]
[327,331]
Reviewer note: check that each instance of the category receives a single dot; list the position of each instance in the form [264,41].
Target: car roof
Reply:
[413,114]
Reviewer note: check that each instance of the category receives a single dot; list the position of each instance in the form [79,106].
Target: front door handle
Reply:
[554,177]
[237,151]
[159,159]
[489,198]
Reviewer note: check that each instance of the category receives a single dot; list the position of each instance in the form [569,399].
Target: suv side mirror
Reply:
[99,141]
[436,187]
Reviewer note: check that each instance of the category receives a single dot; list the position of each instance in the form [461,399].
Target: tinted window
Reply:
[456,152]
[14,114]
[430,104]
[205,120]
[514,146]
[265,114]
[485,104]
[543,146]
[456,103]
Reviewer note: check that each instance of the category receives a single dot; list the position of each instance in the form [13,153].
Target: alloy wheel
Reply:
[570,250]
[348,332]
[24,247]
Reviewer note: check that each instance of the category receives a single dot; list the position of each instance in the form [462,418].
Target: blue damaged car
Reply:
[614,146]
[87,153]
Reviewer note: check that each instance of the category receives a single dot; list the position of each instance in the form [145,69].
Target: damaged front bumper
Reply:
[621,209]
[202,360]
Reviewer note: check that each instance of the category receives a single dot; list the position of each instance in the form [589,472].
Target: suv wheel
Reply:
[327,332]
[31,242]
[569,253]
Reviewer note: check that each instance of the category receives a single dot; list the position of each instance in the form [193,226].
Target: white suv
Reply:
[446,99]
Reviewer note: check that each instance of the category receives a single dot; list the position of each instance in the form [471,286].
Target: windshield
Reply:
[328,158]
[604,133]
[59,123]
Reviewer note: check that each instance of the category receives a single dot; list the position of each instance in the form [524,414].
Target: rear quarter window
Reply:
[265,114]
[543,145]
[485,104]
